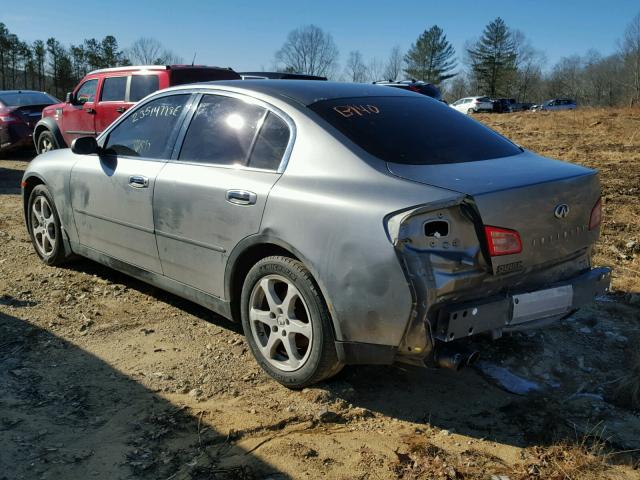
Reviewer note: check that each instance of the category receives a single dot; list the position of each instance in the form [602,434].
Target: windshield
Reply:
[23,99]
[413,130]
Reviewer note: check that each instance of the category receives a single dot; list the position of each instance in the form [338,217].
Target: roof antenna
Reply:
[194,59]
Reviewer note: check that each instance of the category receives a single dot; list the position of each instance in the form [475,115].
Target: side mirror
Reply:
[85,146]
[69,97]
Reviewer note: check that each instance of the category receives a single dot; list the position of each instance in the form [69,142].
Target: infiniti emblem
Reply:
[561,210]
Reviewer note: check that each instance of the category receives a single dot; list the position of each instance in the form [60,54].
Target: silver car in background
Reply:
[340,223]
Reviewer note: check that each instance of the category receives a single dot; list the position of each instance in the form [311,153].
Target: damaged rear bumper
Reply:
[521,310]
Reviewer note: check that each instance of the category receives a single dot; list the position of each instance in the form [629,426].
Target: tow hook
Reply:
[455,359]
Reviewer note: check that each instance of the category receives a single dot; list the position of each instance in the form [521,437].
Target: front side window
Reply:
[143,85]
[413,130]
[147,131]
[113,89]
[87,92]
[222,131]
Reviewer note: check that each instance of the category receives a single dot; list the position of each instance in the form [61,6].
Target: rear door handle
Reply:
[121,109]
[241,197]
[138,181]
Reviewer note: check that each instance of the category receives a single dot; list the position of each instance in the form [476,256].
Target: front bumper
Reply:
[520,310]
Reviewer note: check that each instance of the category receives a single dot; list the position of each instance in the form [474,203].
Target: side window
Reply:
[271,143]
[222,131]
[147,130]
[113,89]
[143,85]
[87,91]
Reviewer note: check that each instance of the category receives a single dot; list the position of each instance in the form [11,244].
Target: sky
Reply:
[246,34]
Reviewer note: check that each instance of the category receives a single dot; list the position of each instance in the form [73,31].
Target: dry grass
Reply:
[586,460]
[606,139]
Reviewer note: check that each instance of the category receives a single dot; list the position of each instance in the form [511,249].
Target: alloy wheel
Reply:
[43,226]
[280,322]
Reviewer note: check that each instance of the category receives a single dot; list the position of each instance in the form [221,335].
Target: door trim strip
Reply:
[192,242]
[119,222]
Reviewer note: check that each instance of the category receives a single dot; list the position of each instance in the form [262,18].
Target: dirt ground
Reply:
[102,376]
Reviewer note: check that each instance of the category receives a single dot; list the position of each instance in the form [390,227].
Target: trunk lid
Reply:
[521,193]
[29,114]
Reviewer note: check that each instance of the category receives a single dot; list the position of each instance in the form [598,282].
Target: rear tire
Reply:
[46,142]
[44,227]
[287,324]
[470,111]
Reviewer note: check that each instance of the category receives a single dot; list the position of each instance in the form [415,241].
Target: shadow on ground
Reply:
[65,413]
[463,402]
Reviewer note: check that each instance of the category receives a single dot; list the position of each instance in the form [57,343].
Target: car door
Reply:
[112,101]
[78,117]
[213,192]
[112,193]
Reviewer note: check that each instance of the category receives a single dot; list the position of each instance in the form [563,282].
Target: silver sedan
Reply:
[340,223]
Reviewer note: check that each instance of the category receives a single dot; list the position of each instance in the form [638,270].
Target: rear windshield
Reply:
[22,99]
[413,130]
[182,76]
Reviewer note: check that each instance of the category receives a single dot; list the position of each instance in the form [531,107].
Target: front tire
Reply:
[46,142]
[287,324]
[44,227]
[470,111]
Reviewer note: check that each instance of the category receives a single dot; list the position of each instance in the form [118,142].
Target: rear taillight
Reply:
[6,117]
[502,241]
[596,215]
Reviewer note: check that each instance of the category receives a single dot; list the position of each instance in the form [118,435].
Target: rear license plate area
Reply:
[541,304]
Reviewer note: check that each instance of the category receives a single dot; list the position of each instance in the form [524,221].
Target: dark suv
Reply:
[103,95]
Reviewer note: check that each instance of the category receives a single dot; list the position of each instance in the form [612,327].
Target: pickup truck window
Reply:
[142,85]
[113,89]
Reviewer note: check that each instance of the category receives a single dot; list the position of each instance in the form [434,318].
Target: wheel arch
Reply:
[48,123]
[28,184]
[251,250]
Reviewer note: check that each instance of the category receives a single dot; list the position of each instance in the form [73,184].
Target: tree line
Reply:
[502,62]
[47,65]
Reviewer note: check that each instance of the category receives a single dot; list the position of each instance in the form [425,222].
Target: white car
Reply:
[473,105]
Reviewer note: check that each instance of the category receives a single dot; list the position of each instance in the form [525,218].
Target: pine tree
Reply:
[431,58]
[494,58]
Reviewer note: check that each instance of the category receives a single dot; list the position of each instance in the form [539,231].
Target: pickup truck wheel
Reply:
[43,223]
[287,324]
[46,142]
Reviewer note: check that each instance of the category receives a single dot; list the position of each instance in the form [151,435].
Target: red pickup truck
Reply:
[103,95]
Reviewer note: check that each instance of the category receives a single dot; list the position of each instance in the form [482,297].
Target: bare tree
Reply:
[356,70]
[376,70]
[529,63]
[308,50]
[393,67]
[631,55]
[149,51]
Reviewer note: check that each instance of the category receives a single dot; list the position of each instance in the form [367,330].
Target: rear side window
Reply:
[413,130]
[113,89]
[143,85]
[222,131]
[271,143]
[147,131]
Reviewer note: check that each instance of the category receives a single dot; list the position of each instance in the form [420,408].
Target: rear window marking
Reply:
[360,110]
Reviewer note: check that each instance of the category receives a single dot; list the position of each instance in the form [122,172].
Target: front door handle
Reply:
[90,110]
[241,197]
[138,181]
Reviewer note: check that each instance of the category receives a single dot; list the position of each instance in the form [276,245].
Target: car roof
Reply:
[282,75]
[133,68]
[22,91]
[307,92]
